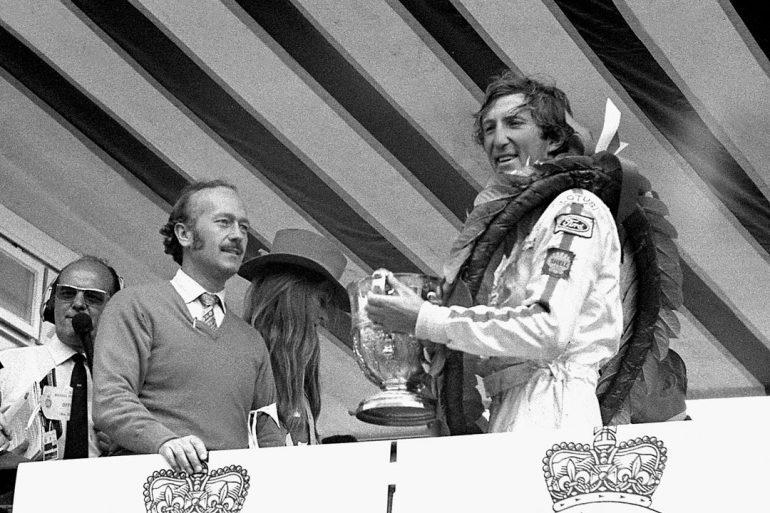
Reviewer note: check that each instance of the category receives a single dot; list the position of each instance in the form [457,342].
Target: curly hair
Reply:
[284,303]
[547,104]
[181,214]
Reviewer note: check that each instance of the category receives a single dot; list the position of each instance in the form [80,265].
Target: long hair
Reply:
[284,303]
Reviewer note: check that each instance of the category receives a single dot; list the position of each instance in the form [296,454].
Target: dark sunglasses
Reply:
[91,297]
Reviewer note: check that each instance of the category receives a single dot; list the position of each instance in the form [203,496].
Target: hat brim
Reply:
[253,267]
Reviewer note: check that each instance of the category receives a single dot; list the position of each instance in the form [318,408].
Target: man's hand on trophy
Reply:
[397,312]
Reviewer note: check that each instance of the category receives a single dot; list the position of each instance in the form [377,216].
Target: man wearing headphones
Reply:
[59,365]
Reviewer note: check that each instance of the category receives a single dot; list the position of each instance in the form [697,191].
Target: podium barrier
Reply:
[672,467]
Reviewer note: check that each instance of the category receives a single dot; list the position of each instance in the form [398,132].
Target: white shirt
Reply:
[25,365]
[190,290]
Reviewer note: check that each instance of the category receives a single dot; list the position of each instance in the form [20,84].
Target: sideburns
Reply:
[197,242]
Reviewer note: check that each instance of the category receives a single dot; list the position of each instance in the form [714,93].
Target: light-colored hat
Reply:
[308,250]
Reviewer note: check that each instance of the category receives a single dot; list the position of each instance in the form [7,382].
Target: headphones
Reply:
[49,299]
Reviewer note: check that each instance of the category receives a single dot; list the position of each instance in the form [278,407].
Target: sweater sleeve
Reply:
[121,354]
[567,250]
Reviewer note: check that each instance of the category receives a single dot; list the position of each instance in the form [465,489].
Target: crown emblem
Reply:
[218,491]
[606,472]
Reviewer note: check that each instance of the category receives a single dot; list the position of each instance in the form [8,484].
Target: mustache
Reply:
[237,246]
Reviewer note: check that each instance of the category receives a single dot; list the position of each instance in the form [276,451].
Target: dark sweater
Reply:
[158,375]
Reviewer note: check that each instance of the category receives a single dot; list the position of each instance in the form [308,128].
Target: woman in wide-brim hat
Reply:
[293,290]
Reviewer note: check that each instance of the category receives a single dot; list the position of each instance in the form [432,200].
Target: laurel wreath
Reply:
[651,277]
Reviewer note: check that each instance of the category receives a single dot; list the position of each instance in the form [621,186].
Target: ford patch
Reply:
[582,226]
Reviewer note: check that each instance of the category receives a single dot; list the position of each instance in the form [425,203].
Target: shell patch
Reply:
[558,262]
[576,224]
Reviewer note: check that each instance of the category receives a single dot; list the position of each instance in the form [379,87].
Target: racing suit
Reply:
[554,316]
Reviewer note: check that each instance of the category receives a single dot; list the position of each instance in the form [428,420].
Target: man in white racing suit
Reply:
[553,314]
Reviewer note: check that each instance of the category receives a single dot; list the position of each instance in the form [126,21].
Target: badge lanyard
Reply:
[52,429]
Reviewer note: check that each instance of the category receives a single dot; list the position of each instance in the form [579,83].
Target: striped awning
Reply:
[353,119]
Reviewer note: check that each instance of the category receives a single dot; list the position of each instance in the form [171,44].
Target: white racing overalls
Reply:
[554,315]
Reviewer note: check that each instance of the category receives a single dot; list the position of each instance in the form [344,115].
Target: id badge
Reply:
[50,445]
[56,402]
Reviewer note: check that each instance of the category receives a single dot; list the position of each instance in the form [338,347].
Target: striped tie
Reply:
[209,301]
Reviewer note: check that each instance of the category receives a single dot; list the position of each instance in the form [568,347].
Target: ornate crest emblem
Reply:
[607,472]
[217,491]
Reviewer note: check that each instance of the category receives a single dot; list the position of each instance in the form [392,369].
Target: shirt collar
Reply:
[190,289]
[60,352]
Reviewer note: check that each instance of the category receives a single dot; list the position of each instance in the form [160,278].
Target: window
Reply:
[22,282]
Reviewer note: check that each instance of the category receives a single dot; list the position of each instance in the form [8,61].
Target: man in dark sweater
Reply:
[177,372]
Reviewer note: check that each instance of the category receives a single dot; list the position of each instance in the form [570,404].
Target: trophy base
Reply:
[397,408]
